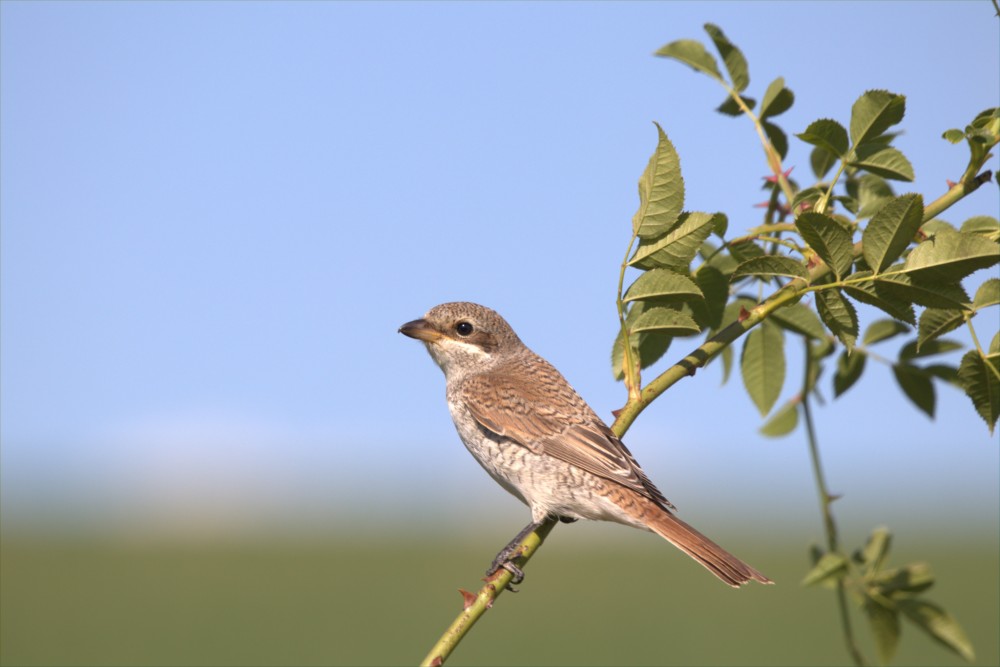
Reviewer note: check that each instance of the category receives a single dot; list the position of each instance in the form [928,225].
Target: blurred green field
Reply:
[257,602]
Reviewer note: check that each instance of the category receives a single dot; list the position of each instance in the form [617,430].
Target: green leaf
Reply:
[777,138]
[729,106]
[940,625]
[987,295]
[884,623]
[917,387]
[692,53]
[777,99]
[677,248]
[873,194]
[979,379]
[930,294]
[661,191]
[783,421]
[884,161]
[950,256]
[715,288]
[880,330]
[763,365]
[727,362]
[983,225]
[821,161]
[891,230]
[663,285]
[827,134]
[995,344]
[799,319]
[745,250]
[875,550]
[667,320]
[850,365]
[913,578]
[831,566]
[953,135]
[839,316]
[945,373]
[732,57]
[936,322]
[829,240]
[875,294]
[874,113]
[648,346]
[912,351]
[767,266]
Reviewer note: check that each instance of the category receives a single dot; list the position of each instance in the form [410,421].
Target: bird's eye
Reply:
[464,328]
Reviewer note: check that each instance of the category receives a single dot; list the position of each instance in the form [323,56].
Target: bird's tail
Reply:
[717,560]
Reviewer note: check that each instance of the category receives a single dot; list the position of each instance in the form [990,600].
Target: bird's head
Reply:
[464,337]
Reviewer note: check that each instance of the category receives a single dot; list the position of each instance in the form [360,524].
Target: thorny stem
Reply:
[825,501]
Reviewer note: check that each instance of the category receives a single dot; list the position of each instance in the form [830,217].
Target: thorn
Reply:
[773,178]
[835,496]
[489,602]
[617,413]
[813,261]
[805,206]
[950,183]
[468,599]
[921,235]
[744,313]
[437,661]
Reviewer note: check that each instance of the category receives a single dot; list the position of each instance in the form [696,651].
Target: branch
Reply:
[687,366]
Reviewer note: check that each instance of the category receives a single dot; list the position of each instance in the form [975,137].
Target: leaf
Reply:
[763,365]
[940,625]
[950,256]
[821,161]
[777,138]
[715,288]
[827,134]
[677,248]
[783,421]
[663,285]
[953,135]
[936,322]
[884,161]
[729,106]
[850,365]
[984,225]
[839,316]
[732,57]
[831,566]
[770,265]
[891,230]
[880,330]
[661,191]
[874,113]
[875,294]
[799,319]
[884,623]
[930,294]
[692,53]
[829,240]
[873,193]
[649,346]
[917,387]
[668,320]
[987,295]
[913,578]
[745,250]
[777,99]
[930,348]
[727,362]
[979,379]
[875,550]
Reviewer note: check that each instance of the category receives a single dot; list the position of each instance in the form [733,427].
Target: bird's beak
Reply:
[421,330]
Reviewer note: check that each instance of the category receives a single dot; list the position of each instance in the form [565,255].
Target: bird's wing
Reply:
[549,417]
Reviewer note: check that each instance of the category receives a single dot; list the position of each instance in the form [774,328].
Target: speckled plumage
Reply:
[534,434]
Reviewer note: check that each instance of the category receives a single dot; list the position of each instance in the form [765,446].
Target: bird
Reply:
[537,437]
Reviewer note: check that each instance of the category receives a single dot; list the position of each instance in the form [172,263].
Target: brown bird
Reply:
[540,440]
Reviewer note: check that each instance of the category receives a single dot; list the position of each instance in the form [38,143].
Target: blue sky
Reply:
[216,215]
